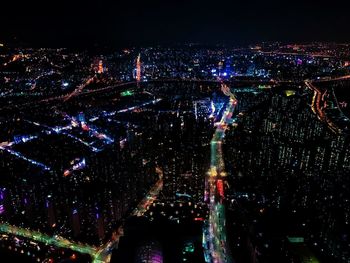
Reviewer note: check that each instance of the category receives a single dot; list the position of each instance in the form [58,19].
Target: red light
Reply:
[85,127]
[220,187]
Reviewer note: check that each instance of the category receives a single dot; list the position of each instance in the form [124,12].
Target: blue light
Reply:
[19,155]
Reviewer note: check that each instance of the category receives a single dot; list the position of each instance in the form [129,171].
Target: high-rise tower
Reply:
[138,68]
[100,67]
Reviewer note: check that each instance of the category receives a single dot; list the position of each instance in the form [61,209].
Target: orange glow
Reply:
[100,67]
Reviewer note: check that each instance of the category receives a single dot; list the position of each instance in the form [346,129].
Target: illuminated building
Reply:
[149,253]
[100,67]
[138,68]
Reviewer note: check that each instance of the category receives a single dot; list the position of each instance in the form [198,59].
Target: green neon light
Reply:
[126,93]
[296,239]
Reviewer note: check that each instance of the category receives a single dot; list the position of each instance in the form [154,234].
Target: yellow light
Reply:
[290,93]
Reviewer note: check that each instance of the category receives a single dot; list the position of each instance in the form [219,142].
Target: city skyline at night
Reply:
[178,131]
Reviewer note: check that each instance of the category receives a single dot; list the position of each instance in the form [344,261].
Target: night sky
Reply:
[124,23]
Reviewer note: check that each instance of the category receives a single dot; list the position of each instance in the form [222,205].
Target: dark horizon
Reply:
[141,23]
